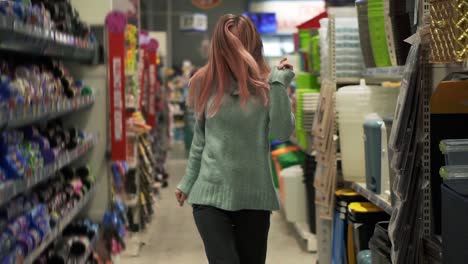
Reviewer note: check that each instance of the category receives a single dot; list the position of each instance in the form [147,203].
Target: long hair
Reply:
[236,53]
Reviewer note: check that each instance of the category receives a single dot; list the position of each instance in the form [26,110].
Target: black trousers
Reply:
[233,237]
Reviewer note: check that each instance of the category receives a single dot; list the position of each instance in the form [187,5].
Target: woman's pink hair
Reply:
[236,53]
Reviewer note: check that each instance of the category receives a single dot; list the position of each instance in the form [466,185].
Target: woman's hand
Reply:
[180,196]
[285,65]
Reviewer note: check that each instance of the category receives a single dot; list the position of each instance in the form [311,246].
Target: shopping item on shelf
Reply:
[380,244]
[342,229]
[25,153]
[456,178]
[448,36]
[294,194]
[363,216]
[353,103]
[29,219]
[349,62]
[309,168]
[377,158]
[364,35]
[376,19]
[455,151]
[405,229]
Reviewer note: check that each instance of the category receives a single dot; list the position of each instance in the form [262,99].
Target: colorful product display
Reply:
[25,152]
[48,14]
[28,219]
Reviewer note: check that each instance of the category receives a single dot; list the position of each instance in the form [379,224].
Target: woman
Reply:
[238,108]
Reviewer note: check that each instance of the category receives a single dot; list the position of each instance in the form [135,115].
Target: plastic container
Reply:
[373,148]
[363,216]
[454,227]
[455,151]
[294,194]
[309,167]
[353,104]
[456,177]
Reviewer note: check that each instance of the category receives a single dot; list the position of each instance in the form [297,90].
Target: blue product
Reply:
[373,150]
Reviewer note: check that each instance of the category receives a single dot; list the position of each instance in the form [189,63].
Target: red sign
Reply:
[116,73]
[206,4]
[142,71]
[153,82]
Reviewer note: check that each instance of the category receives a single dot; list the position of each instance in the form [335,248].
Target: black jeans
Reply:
[233,237]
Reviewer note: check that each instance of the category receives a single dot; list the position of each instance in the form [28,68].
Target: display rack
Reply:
[17,36]
[12,188]
[376,199]
[57,231]
[23,115]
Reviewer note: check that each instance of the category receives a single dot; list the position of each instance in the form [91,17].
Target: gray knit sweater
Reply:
[229,162]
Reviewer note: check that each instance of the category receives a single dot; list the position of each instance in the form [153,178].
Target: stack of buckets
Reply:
[353,104]
[307,98]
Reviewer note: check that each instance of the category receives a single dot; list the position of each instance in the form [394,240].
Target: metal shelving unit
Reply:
[57,231]
[19,37]
[10,189]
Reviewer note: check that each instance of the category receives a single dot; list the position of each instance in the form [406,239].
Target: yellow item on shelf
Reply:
[364,207]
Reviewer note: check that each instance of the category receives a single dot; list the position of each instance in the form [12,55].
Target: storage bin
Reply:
[363,216]
[456,177]
[353,104]
[310,166]
[454,227]
[343,198]
[294,195]
[455,151]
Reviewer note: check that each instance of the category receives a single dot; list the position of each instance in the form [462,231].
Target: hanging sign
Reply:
[142,68]
[115,26]
[152,51]
[206,4]
[194,22]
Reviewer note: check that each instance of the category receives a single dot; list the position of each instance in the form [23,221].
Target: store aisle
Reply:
[172,236]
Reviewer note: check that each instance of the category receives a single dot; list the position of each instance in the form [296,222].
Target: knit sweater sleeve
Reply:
[195,156]
[281,118]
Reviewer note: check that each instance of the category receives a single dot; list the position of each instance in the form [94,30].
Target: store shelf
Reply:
[376,199]
[23,115]
[10,189]
[57,231]
[20,37]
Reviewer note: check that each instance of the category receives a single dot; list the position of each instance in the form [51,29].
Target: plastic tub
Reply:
[455,151]
[456,177]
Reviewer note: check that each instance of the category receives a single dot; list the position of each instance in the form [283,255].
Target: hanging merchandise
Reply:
[448,35]
[405,225]
[115,25]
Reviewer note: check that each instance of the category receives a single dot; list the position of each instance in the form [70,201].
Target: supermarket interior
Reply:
[97,132]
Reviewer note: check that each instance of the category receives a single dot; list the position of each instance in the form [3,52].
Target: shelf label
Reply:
[116,48]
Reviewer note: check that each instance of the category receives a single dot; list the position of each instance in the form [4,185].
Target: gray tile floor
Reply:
[173,238]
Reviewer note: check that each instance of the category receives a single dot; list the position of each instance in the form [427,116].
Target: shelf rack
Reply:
[12,188]
[376,199]
[57,231]
[14,117]
[28,39]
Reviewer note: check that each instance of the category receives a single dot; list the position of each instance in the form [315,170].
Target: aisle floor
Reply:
[172,236]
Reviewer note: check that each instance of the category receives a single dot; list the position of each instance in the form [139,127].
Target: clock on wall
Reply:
[206,4]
